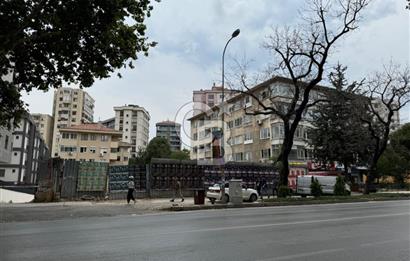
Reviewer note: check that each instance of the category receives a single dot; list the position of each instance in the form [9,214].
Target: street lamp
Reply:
[234,34]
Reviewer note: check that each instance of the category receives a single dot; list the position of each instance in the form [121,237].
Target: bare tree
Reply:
[389,91]
[301,55]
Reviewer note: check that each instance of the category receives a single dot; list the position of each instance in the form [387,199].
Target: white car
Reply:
[214,193]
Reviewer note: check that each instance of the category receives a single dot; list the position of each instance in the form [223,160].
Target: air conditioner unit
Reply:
[101,154]
[70,153]
[259,122]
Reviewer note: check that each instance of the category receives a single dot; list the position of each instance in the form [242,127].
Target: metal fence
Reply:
[70,179]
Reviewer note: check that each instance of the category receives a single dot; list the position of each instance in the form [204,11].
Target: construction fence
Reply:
[71,180]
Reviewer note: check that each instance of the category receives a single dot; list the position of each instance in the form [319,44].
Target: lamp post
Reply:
[234,34]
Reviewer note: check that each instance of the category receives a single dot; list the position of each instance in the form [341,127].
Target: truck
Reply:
[327,182]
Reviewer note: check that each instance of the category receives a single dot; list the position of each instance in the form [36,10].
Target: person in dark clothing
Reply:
[131,186]
[176,186]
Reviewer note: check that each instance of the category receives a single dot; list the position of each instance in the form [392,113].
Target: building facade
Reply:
[70,107]
[93,142]
[45,125]
[28,149]
[171,131]
[133,122]
[6,137]
[206,99]
[247,137]
[109,123]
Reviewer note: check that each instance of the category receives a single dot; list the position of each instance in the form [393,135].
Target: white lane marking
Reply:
[306,254]
[285,223]
[382,242]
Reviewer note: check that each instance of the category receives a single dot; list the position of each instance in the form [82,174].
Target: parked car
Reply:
[327,183]
[214,193]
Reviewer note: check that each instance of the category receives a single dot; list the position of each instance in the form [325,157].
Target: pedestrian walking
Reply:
[177,190]
[131,187]
[263,188]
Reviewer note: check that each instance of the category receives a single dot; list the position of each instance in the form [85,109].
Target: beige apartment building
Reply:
[93,142]
[247,137]
[206,99]
[255,138]
[133,122]
[44,124]
[70,107]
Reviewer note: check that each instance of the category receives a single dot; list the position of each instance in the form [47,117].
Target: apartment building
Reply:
[6,137]
[133,122]
[206,99]
[249,138]
[28,149]
[70,107]
[45,125]
[93,142]
[171,131]
[109,123]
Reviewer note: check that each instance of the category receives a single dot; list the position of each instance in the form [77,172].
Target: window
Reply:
[238,156]
[210,96]
[15,153]
[6,142]
[66,136]
[2,173]
[237,140]
[230,124]
[247,156]
[17,137]
[248,136]
[104,151]
[14,171]
[84,136]
[265,154]
[238,122]
[73,113]
[264,133]
[83,149]
[73,136]
[93,137]
[68,148]
[247,119]
[92,149]
[104,138]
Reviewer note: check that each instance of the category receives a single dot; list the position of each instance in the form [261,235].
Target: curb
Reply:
[277,204]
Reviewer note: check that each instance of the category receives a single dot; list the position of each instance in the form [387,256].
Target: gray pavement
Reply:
[352,231]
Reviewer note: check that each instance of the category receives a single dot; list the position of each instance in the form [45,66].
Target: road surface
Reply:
[355,231]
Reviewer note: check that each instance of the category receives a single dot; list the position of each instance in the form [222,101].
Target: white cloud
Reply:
[192,34]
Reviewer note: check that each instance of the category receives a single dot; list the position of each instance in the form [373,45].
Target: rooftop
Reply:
[90,127]
[168,123]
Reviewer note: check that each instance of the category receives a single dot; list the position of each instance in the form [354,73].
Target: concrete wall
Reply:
[7,196]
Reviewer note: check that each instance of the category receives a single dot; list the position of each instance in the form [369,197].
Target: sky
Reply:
[191,35]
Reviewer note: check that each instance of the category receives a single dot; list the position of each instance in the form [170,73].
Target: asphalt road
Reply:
[355,231]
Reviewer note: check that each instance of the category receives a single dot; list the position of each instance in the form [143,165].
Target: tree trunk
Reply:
[285,152]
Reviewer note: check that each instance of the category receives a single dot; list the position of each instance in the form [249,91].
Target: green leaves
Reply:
[47,43]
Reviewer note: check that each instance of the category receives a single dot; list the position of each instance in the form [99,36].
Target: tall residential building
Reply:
[44,124]
[70,107]
[206,99]
[93,142]
[109,123]
[6,137]
[28,148]
[249,138]
[253,138]
[133,122]
[171,131]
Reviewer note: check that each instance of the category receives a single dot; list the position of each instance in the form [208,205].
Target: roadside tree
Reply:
[388,92]
[301,54]
[44,44]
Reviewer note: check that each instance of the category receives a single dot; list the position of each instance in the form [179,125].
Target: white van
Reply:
[327,182]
